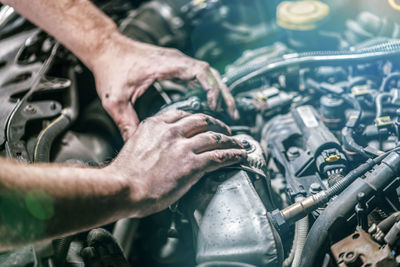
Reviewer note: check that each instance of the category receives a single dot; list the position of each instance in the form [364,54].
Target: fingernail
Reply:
[229,130]
[240,143]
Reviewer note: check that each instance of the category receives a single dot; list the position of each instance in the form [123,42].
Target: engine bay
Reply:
[317,85]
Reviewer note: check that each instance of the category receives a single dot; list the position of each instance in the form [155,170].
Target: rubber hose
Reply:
[47,136]
[298,240]
[374,52]
[389,78]
[347,133]
[379,103]
[338,211]
[302,230]
[350,144]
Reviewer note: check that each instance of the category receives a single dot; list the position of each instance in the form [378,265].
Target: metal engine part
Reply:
[359,249]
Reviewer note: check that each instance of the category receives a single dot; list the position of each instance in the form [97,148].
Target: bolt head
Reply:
[30,109]
[315,187]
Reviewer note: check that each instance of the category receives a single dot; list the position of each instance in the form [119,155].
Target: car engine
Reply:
[317,85]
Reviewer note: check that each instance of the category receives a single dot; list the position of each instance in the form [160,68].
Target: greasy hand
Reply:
[169,153]
[127,68]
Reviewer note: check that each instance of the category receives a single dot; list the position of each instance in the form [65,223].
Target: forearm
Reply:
[78,24]
[45,201]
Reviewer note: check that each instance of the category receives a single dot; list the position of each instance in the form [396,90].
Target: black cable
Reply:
[389,78]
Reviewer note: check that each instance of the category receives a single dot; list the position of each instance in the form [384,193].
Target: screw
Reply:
[315,188]
[195,104]
[30,109]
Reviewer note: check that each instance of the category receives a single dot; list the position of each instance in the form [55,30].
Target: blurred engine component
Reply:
[211,30]
[301,21]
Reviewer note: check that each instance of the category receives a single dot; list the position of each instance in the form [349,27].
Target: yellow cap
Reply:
[332,158]
[301,15]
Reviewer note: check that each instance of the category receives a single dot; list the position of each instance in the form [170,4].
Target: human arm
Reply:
[123,68]
[151,172]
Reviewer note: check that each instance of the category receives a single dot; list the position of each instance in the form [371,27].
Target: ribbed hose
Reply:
[300,235]
[61,247]
[247,73]
[302,230]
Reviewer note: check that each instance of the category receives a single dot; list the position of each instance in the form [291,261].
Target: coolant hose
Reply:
[46,137]
[342,207]
[350,144]
[247,73]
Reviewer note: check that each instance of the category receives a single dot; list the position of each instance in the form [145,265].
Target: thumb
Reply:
[124,116]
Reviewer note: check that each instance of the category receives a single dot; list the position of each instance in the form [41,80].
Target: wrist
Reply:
[110,48]
[116,189]
[129,191]
[102,47]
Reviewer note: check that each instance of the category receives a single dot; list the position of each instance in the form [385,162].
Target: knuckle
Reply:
[213,137]
[180,112]
[173,132]
[204,66]
[203,118]
[233,141]
[229,99]
[220,157]
[188,162]
[151,120]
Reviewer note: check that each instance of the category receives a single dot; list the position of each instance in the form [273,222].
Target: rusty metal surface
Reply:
[359,249]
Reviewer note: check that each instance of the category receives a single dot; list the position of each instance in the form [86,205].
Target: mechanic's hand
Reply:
[127,68]
[169,153]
